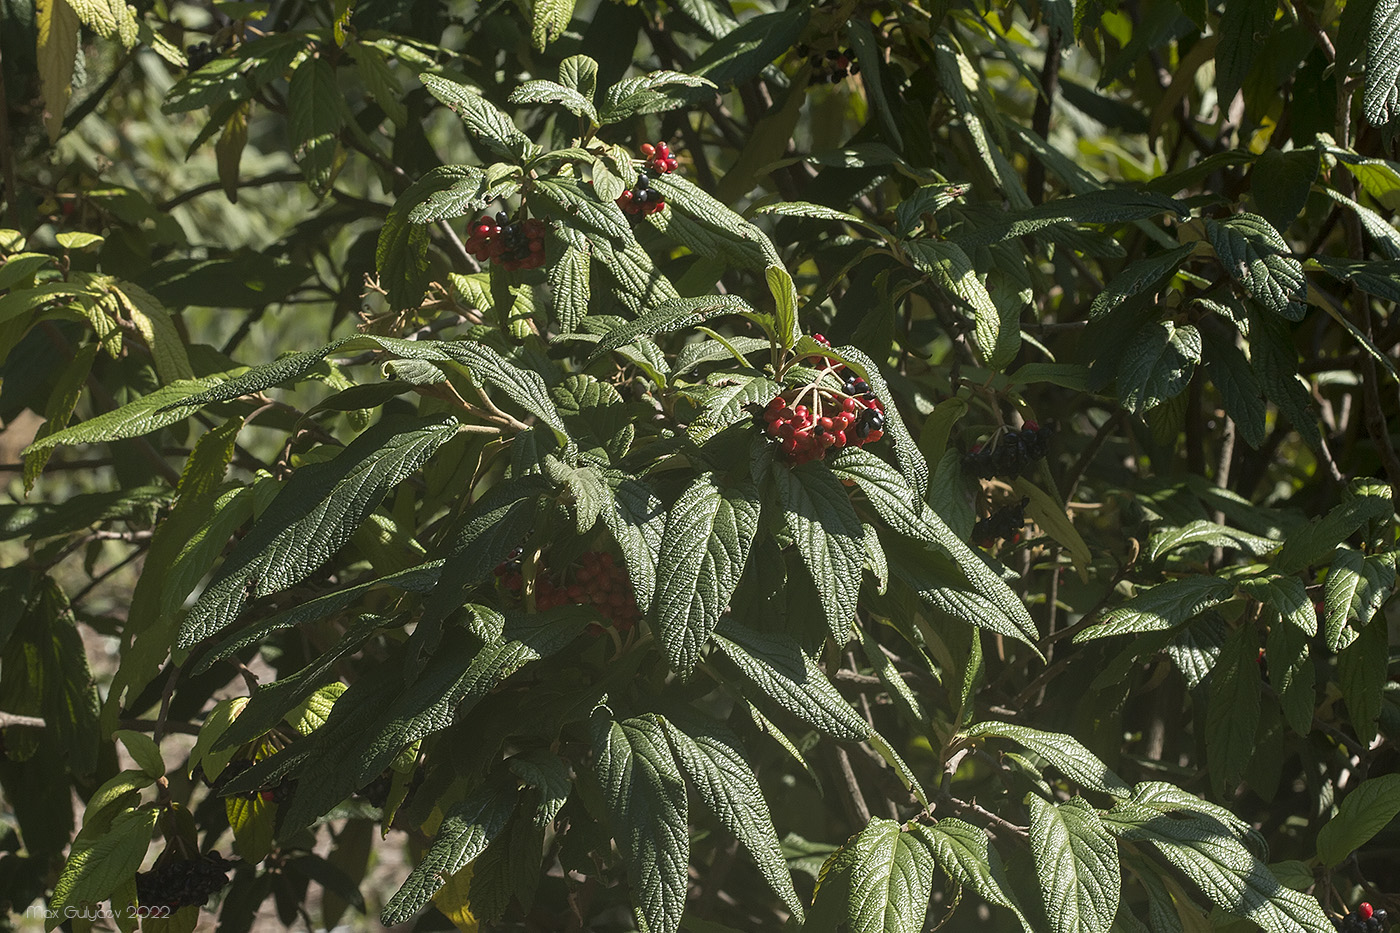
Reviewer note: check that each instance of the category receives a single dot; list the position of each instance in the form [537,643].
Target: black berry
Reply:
[1005,522]
[178,882]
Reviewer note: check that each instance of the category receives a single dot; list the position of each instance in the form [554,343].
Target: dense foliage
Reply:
[941,457]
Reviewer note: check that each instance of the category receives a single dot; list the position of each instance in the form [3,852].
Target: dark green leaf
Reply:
[1063,751]
[1233,712]
[315,104]
[1254,254]
[1163,606]
[485,123]
[1157,364]
[1381,101]
[1364,812]
[880,880]
[1076,862]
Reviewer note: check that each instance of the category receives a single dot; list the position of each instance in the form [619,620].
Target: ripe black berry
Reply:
[177,882]
[1364,919]
[1010,454]
[834,65]
[641,198]
[514,245]
[1005,522]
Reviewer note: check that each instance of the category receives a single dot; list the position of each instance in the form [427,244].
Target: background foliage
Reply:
[302,440]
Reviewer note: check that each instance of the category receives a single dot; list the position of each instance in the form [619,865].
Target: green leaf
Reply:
[164,406]
[487,125]
[1076,863]
[961,850]
[579,73]
[1232,716]
[1239,388]
[709,532]
[1254,255]
[684,196]
[747,50]
[1157,364]
[950,267]
[75,239]
[637,521]
[645,797]
[985,226]
[1207,853]
[143,750]
[828,535]
[1202,531]
[718,768]
[1356,588]
[1292,675]
[893,500]
[548,20]
[907,454]
[1365,811]
[1361,673]
[582,206]
[569,284]
[647,94]
[675,314]
[548,774]
[444,193]
[1063,751]
[925,200]
[866,49]
[1287,596]
[1159,607]
[314,514]
[1137,277]
[1051,515]
[158,329]
[1381,101]
[549,92]
[785,300]
[315,104]
[466,831]
[100,867]
[777,666]
[1309,545]
[1245,26]
[880,880]
[1281,182]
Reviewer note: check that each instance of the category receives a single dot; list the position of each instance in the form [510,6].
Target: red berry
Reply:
[874,436]
[648,150]
[1364,911]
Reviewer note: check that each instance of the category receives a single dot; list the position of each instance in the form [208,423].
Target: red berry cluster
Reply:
[596,581]
[641,198]
[659,158]
[852,417]
[513,245]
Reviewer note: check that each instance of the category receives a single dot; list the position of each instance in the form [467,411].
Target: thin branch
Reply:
[276,178]
[15,719]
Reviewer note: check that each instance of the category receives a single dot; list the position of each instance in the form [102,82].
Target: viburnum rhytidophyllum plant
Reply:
[617,567]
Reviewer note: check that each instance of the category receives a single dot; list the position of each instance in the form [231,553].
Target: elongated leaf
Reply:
[1361,673]
[166,405]
[645,796]
[1356,589]
[1245,26]
[709,532]
[1109,206]
[961,850]
[828,535]
[785,300]
[1233,714]
[1228,369]
[548,20]
[950,267]
[316,512]
[101,866]
[1206,852]
[1311,544]
[1287,596]
[1076,863]
[777,666]
[1063,751]
[1157,364]
[466,831]
[1254,254]
[1166,539]
[1137,277]
[584,207]
[1163,606]
[718,768]
[1364,812]
[880,880]
[315,104]
[675,314]
[1381,102]
[487,125]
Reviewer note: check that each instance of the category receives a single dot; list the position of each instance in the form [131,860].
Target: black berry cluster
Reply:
[515,245]
[1364,919]
[182,882]
[596,581]
[641,198]
[1005,522]
[807,422]
[200,54]
[835,65]
[660,160]
[1011,454]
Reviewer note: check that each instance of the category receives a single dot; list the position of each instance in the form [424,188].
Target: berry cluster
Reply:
[182,882]
[834,420]
[596,581]
[1011,454]
[1005,522]
[641,198]
[834,66]
[659,158]
[200,55]
[513,245]
[1364,919]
